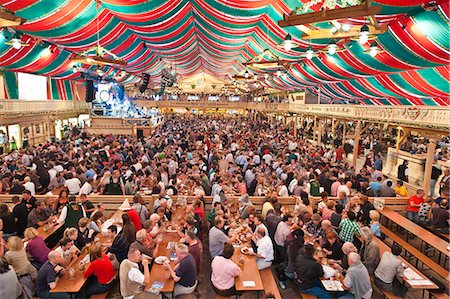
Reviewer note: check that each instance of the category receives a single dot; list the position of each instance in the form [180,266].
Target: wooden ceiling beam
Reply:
[357,11]
[9,20]
[354,31]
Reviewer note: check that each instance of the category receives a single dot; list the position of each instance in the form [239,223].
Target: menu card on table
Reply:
[248,283]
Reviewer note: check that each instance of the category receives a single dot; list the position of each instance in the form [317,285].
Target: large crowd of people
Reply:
[202,156]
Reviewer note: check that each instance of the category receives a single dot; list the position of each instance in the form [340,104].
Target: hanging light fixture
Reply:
[373,49]
[266,76]
[16,44]
[332,48]
[74,69]
[309,53]
[45,52]
[255,77]
[346,27]
[246,74]
[288,43]
[364,34]
[278,73]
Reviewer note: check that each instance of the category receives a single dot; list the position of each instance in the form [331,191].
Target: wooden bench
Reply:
[269,283]
[222,297]
[417,254]
[100,296]
[386,294]
[439,295]
[307,296]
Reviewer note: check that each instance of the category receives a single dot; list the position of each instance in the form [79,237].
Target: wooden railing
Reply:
[413,116]
[112,202]
[22,107]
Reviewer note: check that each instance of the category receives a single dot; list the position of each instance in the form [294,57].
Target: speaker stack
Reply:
[144,83]
[90,92]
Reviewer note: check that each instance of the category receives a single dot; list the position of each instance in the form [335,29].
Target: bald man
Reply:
[49,275]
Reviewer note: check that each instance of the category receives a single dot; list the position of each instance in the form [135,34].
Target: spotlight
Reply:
[309,53]
[364,34]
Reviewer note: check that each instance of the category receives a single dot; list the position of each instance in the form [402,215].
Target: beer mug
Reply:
[71,273]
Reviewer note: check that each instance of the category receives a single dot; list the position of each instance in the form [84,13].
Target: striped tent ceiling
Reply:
[216,37]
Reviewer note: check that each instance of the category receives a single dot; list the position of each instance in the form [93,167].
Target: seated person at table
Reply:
[36,247]
[39,216]
[100,273]
[189,225]
[84,233]
[327,228]
[441,217]
[195,249]
[332,246]
[140,236]
[119,246]
[375,223]
[17,258]
[71,213]
[259,222]
[224,271]
[217,238]
[264,249]
[309,273]
[49,275]
[68,251]
[72,234]
[184,273]
[9,284]
[389,268]
[347,247]
[7,223]
[293,251]
[369,252]
[132,280]
[357,279]
[348,228]
[313,228]
[128,229]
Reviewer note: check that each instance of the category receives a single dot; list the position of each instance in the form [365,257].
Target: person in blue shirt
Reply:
[376,186]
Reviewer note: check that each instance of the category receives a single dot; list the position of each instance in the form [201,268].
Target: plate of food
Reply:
[246,250]
[161,260]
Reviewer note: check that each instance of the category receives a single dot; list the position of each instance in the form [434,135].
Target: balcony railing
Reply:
[21,107]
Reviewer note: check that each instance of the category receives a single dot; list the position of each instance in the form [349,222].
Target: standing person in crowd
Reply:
[440,217]
[71,213]
[403,171]
[223,273]
[20,215]
[412,211]
[140,208]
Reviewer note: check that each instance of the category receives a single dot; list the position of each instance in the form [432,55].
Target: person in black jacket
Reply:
[366,207]
[309,272]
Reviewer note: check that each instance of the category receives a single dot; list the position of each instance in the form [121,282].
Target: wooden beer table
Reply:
[250,272]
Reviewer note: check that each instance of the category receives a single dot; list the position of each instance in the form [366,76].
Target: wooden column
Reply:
[429,165]
[355,146]
[344,132]
[295,126]
[2,88]
[320,133]
[314,128]
[31,137]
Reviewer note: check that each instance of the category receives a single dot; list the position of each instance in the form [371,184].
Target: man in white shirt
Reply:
[132,280]
[29,185]
[264,252]
[259,222]
[87,187]
[73,184]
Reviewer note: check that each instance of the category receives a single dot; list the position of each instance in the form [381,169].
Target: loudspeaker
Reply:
[90,92]
[144,82]
[140,133]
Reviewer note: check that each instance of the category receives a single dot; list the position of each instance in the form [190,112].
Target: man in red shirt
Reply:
[414,204]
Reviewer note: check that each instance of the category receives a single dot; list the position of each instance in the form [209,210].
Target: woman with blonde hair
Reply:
[72,234]
[36,247]
[17,258]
